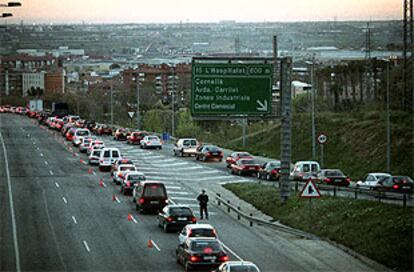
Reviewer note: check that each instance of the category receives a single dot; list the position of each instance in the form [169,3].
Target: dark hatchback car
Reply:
[245,167]
[270,171]
[209,152]
[196,253]
[398,184]
[150,196]
[175,217]
[332,177]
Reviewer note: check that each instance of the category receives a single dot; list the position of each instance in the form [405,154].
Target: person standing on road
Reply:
[203,200]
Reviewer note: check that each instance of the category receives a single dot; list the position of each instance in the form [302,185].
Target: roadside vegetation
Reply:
[381,232]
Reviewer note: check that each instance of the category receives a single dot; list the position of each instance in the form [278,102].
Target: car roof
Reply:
[199,226]
[202,239]
[377,174]
[135,173]
[126,165]
[152,182]
[303,162]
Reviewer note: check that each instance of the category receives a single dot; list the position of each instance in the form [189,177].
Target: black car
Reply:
[175,217]
[209,152]
[270,171]
[130,181]
[398,184]
[201,253]
[150,196]
[332,177]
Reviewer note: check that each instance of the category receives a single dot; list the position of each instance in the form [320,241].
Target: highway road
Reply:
[60,218]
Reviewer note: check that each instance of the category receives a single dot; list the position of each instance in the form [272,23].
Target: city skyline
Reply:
[162,11]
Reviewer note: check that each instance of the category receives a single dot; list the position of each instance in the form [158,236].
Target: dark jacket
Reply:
[202,199]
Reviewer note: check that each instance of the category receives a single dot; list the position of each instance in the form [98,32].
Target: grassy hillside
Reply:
[356,144]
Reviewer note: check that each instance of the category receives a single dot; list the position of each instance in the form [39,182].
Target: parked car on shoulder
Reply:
[238,266]
[397,184]
[131,179]
[185,147]
[371,180]
[245,167]
[175,217]
[151,142]
[304,170]
[332,177]
[270,171]
[235,156]
[201,253]
[209,152]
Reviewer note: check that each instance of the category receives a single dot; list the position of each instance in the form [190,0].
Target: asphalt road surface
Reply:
[61,218]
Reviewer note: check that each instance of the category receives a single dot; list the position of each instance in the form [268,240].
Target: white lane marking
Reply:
[85,244]
[172,201]
[64,200]
[94,173]
[13,215]
[57,184]
[51,172]
[173,187]
[196,212]
[117,200]
[183,198]
[155,245]
[34,143]
[46,163]
[134,220]
[231,251]
[74,220]
[38,148]
[41,154]
[177,193]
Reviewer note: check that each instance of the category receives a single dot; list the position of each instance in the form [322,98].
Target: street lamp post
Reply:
[138,98]
[312,63]
[112,107]
[388,118]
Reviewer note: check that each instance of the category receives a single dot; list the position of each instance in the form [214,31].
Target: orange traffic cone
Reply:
[81,161]
[101,183]
[129,217]
[150,243]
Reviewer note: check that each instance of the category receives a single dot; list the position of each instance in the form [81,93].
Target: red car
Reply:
[136,137]
[235,156]
[245,166]
[70,134]
[332,177]
[104,130]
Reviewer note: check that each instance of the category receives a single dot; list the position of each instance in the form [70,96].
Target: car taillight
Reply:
[169,219]
[208,153]
[128,184]
[395,186]
[274,171]
[224,258]
[194,258]
[141,201]
[327,180]
[119,175]
[348,180]
[194,220]
[100,161]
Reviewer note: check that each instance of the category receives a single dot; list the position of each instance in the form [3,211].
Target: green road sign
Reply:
[231,89]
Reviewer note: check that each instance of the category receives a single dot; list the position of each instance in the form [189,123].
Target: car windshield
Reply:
[154,190]
[244,154]
[380,176]
[403,179]
[115,154]
[136,177]
[212,148]
[83,132]
[153,138]
[274,165]
[200,246]
[181,211]
[126,162]
[202,233]
[190,142]
[248,162]
[334,173]
[243,268]
[97,153]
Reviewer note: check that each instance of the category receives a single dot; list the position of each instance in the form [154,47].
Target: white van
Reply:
[303,170]
[108,157]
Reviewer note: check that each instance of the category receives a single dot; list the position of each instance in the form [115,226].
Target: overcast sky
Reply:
[167,11]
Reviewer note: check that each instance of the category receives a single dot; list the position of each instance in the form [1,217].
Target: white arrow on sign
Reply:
[131,114]
[262,106]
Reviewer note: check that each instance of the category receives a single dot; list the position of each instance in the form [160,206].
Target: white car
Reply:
[196,230]
[186,147]
[92,145]
[94,157]
[237,266]
[85,143]
[371,180]
[108,157]
[79,134]
[151,142]
[121,171]
[131,179]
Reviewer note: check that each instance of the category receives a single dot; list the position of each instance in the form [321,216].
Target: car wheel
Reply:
[165,227]
[177,258]
[258,175]
[159,147]
[181,154]
[268,177]
[204,159]
[239,173]
[137,207]
[187,267]
[133,200]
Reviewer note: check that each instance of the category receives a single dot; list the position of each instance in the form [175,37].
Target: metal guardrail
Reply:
[255,220]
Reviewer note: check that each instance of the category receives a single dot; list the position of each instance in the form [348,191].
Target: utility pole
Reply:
[312,79]
[408,56]
[138,96]
[173,103]
[112,107]
[388,120]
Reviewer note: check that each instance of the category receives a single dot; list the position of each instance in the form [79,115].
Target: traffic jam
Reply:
[199,246]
